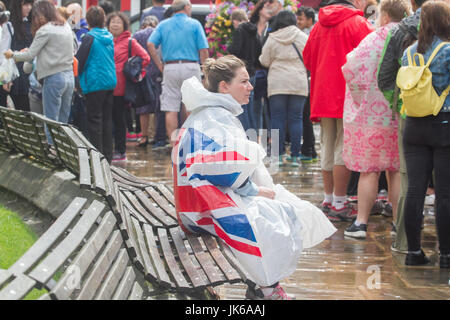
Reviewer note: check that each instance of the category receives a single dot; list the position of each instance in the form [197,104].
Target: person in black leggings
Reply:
[426,140]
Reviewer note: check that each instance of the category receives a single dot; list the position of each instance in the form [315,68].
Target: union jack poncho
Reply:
[212,157]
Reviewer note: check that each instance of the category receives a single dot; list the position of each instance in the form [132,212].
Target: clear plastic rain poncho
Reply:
[212,158]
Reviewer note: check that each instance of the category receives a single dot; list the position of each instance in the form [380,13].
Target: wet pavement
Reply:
[338,268]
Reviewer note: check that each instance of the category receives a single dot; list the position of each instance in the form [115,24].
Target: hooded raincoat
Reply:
[287,74]
[340,29]
[212,159]
[370,130]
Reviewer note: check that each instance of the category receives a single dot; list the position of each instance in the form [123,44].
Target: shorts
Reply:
[332,143]
[173,76]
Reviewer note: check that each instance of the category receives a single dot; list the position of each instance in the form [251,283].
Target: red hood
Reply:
[330,16]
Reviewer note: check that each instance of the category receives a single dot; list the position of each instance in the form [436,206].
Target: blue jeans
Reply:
[287,111]
[57,94]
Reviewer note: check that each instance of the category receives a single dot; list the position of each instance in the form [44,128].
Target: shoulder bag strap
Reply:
[129,48]
[435,52]
[298,52]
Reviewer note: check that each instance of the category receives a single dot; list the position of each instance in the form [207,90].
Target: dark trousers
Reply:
[130,117]
[426,146]
[119,122]
[3,97]
[286,112]
[309,140]
[21,102]
[78,116]
[99,121]
[160,123]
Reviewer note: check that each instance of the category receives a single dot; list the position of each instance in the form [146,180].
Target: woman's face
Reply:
[116,26]
[26,8]
[239,88]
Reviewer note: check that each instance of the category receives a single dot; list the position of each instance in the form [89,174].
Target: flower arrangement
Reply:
[219,28]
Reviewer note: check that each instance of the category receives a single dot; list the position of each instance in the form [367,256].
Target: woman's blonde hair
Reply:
[64,13]
[221,69]
[395,9]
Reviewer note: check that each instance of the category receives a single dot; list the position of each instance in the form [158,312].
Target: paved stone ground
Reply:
[338,268]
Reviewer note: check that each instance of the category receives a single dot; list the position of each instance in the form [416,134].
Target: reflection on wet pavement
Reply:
[338,268]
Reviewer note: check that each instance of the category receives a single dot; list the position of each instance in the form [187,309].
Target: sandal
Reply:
[143,141]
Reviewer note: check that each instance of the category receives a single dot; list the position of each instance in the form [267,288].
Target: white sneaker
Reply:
[429,200]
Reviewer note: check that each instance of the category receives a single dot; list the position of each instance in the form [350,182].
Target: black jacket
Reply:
[246,46]
[399,38]
[21,85]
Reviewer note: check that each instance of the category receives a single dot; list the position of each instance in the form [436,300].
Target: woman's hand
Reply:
[8,54]
[266,192]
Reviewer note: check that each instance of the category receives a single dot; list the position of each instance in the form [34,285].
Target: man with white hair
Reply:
[340,29]
[273,7]
[77,21]
[183,46]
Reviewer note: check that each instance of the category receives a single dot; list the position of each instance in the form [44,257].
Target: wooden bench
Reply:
[26,135]
[106,250]
[171,259]
[81,256]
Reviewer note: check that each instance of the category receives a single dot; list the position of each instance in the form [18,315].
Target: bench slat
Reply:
[131,241]
[194,275]
[45,297]
[4,276]
[85,257]
[205,260]
[163,277]
[128,177]
[82,138]
[136,292]
[211,244]
[125,182]
[149,270]
[177,274]
[18,288]
[115,274]
[100,267]
[97,173]
[162,216]
[134,203]
[232,260]
[162,202]
[76,141]
[84,169]
[167,193]
[40,247]
[47,268]
[125,285]
[109,187]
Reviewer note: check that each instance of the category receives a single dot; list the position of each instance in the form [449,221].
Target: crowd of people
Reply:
[337,67]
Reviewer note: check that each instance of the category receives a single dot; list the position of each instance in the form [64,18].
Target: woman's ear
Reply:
[223,87]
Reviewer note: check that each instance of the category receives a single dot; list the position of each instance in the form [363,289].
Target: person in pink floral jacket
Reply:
[370,126]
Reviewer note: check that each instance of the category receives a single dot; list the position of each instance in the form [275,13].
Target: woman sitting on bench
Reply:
[222,187]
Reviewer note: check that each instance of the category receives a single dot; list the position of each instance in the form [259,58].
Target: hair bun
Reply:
[208,65]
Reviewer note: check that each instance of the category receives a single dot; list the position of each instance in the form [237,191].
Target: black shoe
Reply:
[143,142]
[355,231]
[444,261]
[253,294]
[416,259]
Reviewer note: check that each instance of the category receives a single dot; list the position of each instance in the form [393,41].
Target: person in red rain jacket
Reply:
[118,24]
[340,29]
